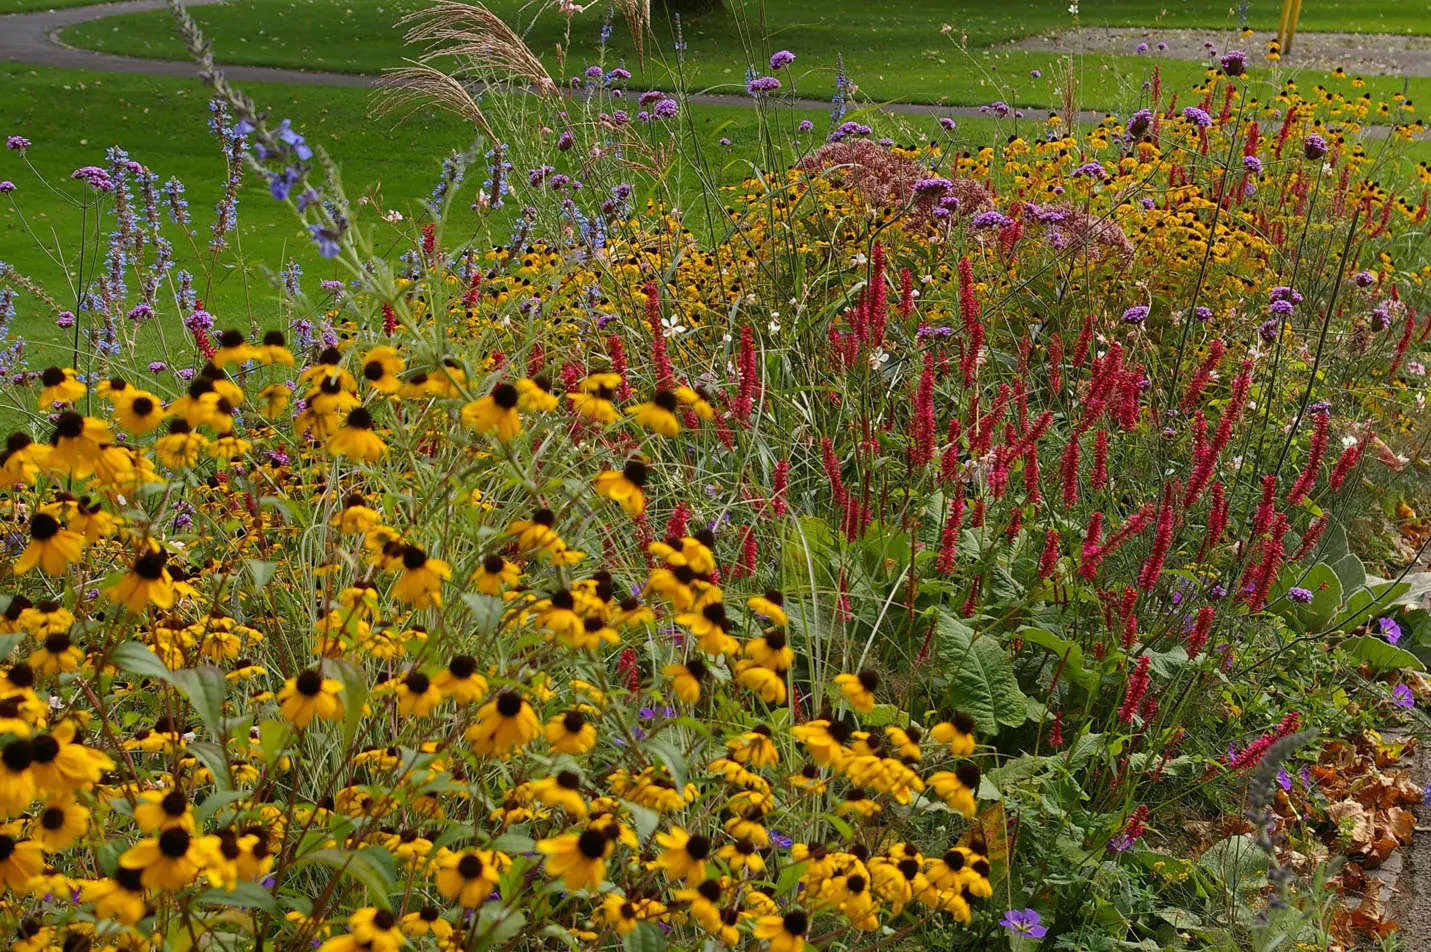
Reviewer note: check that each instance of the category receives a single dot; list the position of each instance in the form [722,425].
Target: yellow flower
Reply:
[460,680]
[59,386]
[562,789]
[684,856]
[234,348]
[659,415]
[594,397]
[310,695]
[535,395]
[504,724]
[421,579]
[625,487]
[578,859]
[494,574]
[381,367]
[139,412]
[958,733]
[571,733]
[686,679]
[784,933]
[859,689]
[356,439]
[52,547]
[147,583]
[495,413]
[468,878]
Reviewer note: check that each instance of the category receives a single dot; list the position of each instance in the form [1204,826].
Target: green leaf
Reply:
[355,696]
[646,937]
[1350,571]
[1237,861]
[496,923]
[212,756]
[645,820]
[138,658]
[1070,652]
[1380,654]
[262,571]
[1378,598]
[673,759]
[789,879]
[243,895]
[204,687]
[980,675]
[272,739]
[365,866]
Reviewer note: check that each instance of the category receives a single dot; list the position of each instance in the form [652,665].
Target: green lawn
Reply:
[74,116]
[25,6]
[891,51]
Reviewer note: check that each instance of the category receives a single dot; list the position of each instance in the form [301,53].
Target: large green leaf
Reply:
[1380,654]
[1069,652]
[979,674]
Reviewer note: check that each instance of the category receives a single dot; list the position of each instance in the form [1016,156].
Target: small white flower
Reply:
[1073,8]
[878,359]
[859,260]
[673,327]
[393,216]
[774,326]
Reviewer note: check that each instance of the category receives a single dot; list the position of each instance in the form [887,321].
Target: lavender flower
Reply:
[94,176]
[1024,923]
[17,143]
[1270,329]
[1141,48]
[1402,697]
[1364,279]
[805,125]
[991,220]
[1198,117]
[1202,312]
[1139,123]
[1284,293]
[666,109]
[1389,629]
[6,187]
[1136,314]
[762,85]
[1314,146]
[1301,596]
[780,60]
[1234,62]
[935,185]
[1252,163]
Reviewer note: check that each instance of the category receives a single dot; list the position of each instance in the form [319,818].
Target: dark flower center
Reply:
[43,527]
[573,721]
[796,922]
[18,755]
[509,704]
[462,667]
[699,847]
[174,803]
[309,683]
[505,396]
[592,844]
[174,842]
[493,564]
[150,567]
[417,682]
[230,339]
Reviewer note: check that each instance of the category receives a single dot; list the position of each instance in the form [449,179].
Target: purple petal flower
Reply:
[780,60]
[1390,630]
[1024,923]
[1301,596]
[17,143]
[1136,314]
[1401,696]
[6,187]
[762,85]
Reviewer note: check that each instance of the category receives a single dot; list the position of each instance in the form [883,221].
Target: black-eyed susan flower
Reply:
[562,789]
[623,914]
[421,580]
[957,732]
[824,740]
[578,859]
[21,859]
[684,854]
[118,898]
[742,856]
[785,933]
[686,679]
[494,574]
[859,689]
[45,618]
[704,903]
[755,747]
[495,413]
[658,414]
[59,823]
[709,626]
[147,582]
[770,685]
[356,440]
[461,681]
[770,606]
[356,516]
[234,348]
[61,766]
[272,349]
[170,861]
[274,399]
[417,696]
[594,397]
[310,695]
[381,366]
[535,395]
[22,459]
[697,399]
[52,547]
[139,412]
[59,385]
[571,733]
[57,653]
[181,447]
[772,650]
[626,486]
[77,443]
[424,922]
[504,724]
[631,613]
[958,788]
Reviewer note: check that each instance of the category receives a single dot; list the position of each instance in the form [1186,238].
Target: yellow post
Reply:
[1292,26]
[1284,25]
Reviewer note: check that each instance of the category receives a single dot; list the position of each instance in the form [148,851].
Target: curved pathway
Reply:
[34,39]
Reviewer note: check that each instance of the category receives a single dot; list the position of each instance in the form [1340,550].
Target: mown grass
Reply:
[74,116]
[893,51]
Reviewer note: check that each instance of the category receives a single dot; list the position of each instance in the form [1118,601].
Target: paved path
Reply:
[33,38]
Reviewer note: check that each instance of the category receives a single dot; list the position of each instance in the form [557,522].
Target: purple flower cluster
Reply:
[6,187]
[935,185]
[96,177]
[1198,117]
[17,143]
[1136,314]
[1139,123]
[1302,596]
[1234,62]
[991,220]
[780,60]
[762,85]
[1252,163]
[1314,146]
